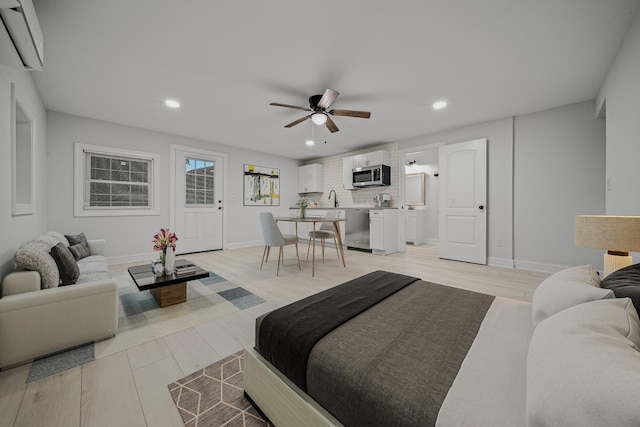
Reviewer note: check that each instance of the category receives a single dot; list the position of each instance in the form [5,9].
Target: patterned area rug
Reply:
[140,319]
[214,397]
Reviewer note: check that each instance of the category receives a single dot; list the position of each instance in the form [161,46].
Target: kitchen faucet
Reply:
[335,198]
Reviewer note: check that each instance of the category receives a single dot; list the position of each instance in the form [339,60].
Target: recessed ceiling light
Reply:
[172,103]
[310,143]
[439,105]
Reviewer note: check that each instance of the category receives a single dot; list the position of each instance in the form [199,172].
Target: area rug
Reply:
[214,397]
[140,319]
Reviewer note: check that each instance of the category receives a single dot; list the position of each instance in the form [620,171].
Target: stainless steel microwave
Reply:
[372,176]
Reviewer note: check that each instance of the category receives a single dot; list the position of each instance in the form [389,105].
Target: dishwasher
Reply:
[356,229]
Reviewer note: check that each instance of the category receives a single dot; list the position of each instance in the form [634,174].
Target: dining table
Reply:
[336,225]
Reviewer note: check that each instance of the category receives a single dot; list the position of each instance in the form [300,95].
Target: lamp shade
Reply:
[319,118]
[610,232]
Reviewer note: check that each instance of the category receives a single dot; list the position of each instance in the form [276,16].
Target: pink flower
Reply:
[164,239]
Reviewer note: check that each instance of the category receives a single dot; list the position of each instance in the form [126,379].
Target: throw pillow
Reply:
[75,239]
[582,367]
[625,283]
[67,266]
[566,288]
[80,250]
[35,256]
[58,236]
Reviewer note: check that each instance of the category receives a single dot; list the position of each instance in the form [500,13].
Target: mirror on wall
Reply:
[414,189]
[22,125]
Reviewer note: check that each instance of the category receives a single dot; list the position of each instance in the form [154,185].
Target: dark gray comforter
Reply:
[393,364]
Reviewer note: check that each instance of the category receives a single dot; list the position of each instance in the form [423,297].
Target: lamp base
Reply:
[615,261]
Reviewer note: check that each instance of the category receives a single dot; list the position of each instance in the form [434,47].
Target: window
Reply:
[114,182]
[199,182]
[22,126]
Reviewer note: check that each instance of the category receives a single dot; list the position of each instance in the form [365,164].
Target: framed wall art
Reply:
[261,186]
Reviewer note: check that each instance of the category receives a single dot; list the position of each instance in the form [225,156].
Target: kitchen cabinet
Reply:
[414,226]
[347,173]
[311,178]
[373,158]
[383,231]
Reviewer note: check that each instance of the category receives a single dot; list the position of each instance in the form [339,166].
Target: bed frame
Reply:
[280,399]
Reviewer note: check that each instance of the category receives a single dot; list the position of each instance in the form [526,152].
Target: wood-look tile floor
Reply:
[129,387]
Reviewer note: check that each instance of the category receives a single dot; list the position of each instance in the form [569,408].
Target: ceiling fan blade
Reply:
[351,113]
[292,124]
[327,99]
[277,104]
[331,125]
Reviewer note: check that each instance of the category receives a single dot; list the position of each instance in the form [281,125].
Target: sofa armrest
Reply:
[98,247]
[19,282]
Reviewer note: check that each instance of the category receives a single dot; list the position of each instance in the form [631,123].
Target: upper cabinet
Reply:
[380,157]
[311,178]
[347,173]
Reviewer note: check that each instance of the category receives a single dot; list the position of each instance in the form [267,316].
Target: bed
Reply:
[387,349]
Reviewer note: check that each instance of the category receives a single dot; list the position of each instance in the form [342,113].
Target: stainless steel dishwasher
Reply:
[356,229]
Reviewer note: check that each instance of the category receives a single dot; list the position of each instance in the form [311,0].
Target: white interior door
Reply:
[198,200]
[463,201]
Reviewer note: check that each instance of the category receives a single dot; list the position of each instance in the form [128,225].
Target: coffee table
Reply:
[168,289]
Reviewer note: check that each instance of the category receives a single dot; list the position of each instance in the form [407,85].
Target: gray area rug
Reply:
[135,309]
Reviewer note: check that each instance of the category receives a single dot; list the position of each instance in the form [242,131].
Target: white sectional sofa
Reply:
[37,321]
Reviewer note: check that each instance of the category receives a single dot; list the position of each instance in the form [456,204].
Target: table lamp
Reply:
[618,235]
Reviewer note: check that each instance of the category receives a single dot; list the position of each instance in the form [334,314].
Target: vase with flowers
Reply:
[162,241]
[303,204]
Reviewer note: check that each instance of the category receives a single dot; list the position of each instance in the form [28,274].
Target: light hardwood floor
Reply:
[129,387]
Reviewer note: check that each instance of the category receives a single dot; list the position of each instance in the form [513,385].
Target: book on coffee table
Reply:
[185,268]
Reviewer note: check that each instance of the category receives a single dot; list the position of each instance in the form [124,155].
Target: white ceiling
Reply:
[225,61]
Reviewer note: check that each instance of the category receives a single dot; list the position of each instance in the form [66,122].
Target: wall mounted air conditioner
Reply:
[21,40]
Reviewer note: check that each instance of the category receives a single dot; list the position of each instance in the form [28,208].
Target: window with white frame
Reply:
[114,182]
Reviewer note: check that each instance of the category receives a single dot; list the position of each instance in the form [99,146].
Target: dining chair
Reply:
[326,231]
[274,237]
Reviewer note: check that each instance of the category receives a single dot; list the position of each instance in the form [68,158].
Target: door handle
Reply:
[481,207]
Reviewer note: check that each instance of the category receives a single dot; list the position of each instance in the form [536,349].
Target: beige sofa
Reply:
[35,322]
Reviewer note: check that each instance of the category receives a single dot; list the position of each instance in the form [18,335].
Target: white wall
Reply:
[17,230]
[129,238]
[621,95]
[559,160]
[499,134]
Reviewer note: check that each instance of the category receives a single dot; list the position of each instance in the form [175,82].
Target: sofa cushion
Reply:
[93,268]
[625,283]
[58,236]
[566,288]
[582,367]
[75,239]
[67,266]
[48,240]
[35,256]
[80,250]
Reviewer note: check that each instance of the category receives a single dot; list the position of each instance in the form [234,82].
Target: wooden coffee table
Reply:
[168,289]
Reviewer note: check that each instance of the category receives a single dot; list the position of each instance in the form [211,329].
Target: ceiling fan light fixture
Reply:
[319,118]
[310,143]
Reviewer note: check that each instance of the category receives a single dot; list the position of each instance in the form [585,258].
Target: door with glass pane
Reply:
[198,201]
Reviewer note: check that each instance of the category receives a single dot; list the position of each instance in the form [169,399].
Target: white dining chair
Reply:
[326,231]
[274,237]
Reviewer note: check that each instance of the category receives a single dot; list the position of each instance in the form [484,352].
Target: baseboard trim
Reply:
[247,244]
[500,262]
[538,266]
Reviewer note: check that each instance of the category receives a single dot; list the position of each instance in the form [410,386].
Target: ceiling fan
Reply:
[319,108]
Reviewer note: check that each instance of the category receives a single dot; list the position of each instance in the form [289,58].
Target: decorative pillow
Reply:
[58,236]
[625,283]
[80,250]
[35,256]
[67,265]
[76,239]
[582,367]
[48,240]
[565,289]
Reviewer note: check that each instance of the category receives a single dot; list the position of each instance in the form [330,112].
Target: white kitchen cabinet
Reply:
[373,158]
[347,173]
[414,226]
[311,178]
[383,231]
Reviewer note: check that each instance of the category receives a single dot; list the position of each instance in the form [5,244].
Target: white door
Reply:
[463,201]
[198,200]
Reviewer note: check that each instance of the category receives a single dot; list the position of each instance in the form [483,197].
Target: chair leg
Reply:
[298,256]
[336,243]
[322,242]
[268,252]
[279,258]
[264,253]
[308,247]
